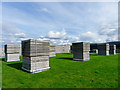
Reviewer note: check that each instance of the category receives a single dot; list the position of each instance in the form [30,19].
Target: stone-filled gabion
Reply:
[52,51]
[35,55]
[94,51]
[117,43]
[20,51]
[66,48]
[71,49]
[63,48]
[93,46]
[81,51]
[59,48]
[112,49]
[103,49]
[12,52]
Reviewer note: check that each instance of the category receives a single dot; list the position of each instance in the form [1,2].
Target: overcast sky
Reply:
[61,23]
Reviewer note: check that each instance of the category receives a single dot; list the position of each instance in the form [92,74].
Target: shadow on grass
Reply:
[66,53]
[16,66]
[2,59]
[91,54]
[65,58]
[21,58]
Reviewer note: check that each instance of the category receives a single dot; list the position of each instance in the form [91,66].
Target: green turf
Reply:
[98,72]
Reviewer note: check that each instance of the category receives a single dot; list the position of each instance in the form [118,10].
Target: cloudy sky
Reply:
[60,22]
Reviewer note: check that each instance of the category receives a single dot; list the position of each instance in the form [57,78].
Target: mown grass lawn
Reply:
[98,72]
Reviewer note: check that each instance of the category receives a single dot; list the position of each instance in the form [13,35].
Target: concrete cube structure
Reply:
[103,49]
[52,52]
[35,55]
[71,49]
[63,48]
[12,57]
[112,49]
[93,46]
[81,51]
[59,48]
[20,51]
[12,52]
[94,51]
[117,43]
[66,48]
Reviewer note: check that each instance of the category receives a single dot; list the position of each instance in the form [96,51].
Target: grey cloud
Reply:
[110,31]
[20,35]
[11,34]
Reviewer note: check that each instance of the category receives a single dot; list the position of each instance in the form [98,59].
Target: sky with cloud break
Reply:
[60,22]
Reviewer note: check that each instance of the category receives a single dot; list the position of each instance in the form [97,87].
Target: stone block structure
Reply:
[117,43]
[35,55]
[103,49]
[94,51]
[63,48]
[112,49]
[71,49]
[52,52]
[81,51]
[12,52]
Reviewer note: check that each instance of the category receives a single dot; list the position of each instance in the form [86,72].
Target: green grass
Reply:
[98,72]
